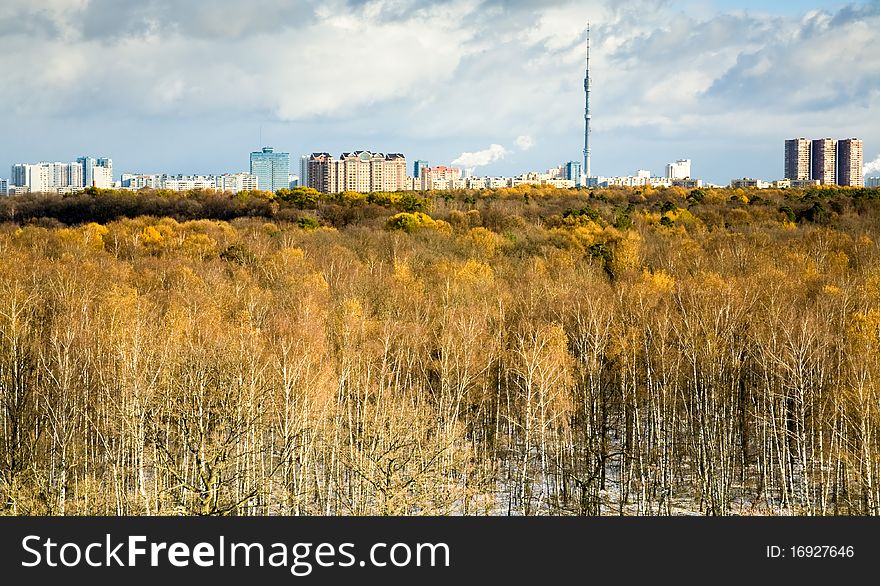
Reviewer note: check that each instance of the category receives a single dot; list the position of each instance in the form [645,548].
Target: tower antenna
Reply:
[587,170]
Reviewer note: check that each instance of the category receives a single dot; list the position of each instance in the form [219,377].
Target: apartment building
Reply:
[361,171]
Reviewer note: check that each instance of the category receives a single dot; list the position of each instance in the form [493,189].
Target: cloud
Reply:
[524,142]
[872,167]
[427,78]
[184,59]
[481,158]
[781,72]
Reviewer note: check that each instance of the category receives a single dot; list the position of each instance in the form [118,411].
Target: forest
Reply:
[524,351]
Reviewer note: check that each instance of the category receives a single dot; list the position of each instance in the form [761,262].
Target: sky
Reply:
[190,86]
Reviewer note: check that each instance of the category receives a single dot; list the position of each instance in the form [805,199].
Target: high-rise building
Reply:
[34,177]
[58,174]
[361,171]
[20,175]
[797,159]
[75,175]
[102,177]
[304,170]
[417,168]
[439,177]
[271,168]
[61,177]
[824,153]
[572,171]
[680,169]
[849,163]
[96,172]
[4,187]
[872,182]
[321,172]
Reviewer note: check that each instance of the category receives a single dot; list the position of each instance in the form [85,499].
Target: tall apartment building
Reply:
[63,177]
[34,177]
[39,177]
[321,173]
[573,171]
[680,169]
[824,153]
[439,177]
[4,187]
[271,168]
[418,166]
[361,171]
[75,177]
[849,163]
[96,172]
[58,174]
[304,170]
[797,159]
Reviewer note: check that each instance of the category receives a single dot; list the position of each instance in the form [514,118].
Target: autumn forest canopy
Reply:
[525,351]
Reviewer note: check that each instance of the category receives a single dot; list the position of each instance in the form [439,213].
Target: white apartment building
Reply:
[34,177]
[231,182]
[96,172]
[56,177]
[746,183]
[439,177]
[189,182]
[640,179]
[135,181]
[102,177]
[236,182]
[795,183]
[680,169]
[643,178]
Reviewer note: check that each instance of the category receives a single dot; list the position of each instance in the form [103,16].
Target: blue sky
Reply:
[185,86]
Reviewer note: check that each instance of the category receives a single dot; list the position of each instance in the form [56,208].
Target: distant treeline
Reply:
[106,205]
[818,205]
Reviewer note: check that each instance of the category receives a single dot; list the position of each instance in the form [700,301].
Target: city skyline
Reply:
[719,83]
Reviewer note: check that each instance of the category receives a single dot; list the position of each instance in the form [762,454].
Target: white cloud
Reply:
[481,158]
[331,65]
[872,167]
[428,78]
[524,142]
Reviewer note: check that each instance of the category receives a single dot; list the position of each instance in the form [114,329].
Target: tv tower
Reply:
[587,171]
